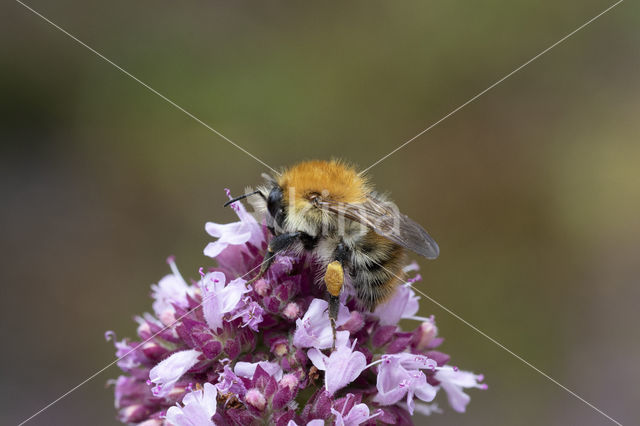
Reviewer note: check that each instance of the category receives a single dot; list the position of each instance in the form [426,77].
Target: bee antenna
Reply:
[233,200]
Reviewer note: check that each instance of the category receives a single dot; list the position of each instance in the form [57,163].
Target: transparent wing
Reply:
[386,220]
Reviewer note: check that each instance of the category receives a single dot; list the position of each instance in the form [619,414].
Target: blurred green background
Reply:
[532,191]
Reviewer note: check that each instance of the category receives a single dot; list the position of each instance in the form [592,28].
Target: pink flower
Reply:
[314,328]
[247,369]
[250,312]
[229,382]
[170,290]
[453,381]
[198,408]
[355,415]
[247,230]
[126,352]
[218,298]
[403,304]
[168,372]
[342,367]
[400,375]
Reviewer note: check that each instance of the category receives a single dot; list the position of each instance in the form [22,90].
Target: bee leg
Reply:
[277,244]
[334,279]
[334,305]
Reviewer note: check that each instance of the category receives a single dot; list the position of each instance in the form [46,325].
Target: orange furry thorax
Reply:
[330,179]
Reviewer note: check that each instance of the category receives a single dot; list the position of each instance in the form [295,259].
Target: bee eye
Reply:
[314,197]
[274,202]
[275,207]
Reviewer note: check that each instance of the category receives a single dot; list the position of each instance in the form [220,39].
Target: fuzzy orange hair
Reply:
[333,179]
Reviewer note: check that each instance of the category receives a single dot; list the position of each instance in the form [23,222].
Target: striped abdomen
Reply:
[376,269]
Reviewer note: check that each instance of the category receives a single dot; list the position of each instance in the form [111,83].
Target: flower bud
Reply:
[167,317]
[289,380]
[133,413]
[153,350]
[261,287]
[144,330]
[424,335]
[255,398]
[291,311]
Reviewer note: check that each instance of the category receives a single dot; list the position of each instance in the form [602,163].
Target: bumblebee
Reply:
[356,235]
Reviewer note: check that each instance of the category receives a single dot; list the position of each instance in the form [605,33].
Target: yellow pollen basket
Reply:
[334,278]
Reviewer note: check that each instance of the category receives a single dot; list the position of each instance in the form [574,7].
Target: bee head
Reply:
[275,207]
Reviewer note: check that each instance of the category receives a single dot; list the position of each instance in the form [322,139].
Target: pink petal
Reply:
[218,230]
[215,248]
[453,381]
[343,367]
[402,304]
[247,369]
[318,358]
[314,328]
[169,371]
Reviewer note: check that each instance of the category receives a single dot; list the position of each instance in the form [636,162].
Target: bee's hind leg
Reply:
[334,305]
[334,280]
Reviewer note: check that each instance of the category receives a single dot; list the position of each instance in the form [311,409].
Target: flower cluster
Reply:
[217,351]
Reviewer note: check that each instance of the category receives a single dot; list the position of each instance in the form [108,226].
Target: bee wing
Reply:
[386,220]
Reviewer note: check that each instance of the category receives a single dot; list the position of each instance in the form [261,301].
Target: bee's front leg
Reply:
[334,280]
[277,244]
